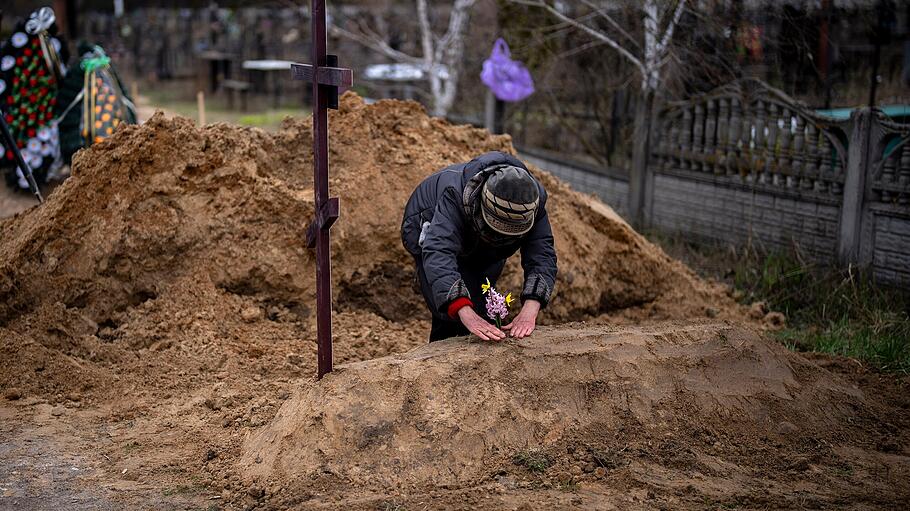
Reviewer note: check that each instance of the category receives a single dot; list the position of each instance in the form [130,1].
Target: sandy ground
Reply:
[156,329]
[787,433]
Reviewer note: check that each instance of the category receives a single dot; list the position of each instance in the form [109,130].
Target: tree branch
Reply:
[426,33]
[457,21]
[590,31]
[603,13]
[437,51]
[375,44]
[562,25]
[580,49]
[668,32]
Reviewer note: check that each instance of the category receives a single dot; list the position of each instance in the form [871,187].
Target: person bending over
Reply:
[461,224]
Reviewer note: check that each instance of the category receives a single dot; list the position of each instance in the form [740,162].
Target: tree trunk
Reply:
[449,89]
[443,95]
[639,177]
[438,109]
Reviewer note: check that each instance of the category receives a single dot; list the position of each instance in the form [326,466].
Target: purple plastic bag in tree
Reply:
[508,79]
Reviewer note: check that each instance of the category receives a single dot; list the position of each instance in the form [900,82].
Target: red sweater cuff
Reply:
[456,306]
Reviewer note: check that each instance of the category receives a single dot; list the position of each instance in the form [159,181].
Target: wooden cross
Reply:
[326,78]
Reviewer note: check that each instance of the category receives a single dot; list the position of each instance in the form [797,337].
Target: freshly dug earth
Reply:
[590,407]
[156,311]
[165,200]
[169,236]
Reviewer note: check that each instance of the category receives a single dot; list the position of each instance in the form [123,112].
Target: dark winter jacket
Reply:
[441,230]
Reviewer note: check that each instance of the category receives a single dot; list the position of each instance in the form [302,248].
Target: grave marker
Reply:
[326,78]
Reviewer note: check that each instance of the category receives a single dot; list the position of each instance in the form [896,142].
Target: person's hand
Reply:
[526,320]
[477,326]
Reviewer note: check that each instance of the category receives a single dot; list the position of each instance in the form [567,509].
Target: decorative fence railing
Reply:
[840,188]
[747,164]
[891,173]
[757,137]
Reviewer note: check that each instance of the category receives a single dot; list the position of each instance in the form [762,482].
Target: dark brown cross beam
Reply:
[326,78]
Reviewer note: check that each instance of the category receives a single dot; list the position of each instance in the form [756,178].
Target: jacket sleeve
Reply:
[538,259]
[440,249]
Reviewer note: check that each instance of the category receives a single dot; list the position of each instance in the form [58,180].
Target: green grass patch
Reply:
[843,312]
[269,118]
[262,113]
[534,460]
[831,311]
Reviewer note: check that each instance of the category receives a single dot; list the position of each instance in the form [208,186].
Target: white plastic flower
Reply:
[19,39]
[46,150]
[44,133]
[22,182]
[7,62]
[40,20]
[34,145]
[2,86]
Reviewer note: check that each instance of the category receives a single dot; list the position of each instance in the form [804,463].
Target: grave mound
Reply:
[460,413]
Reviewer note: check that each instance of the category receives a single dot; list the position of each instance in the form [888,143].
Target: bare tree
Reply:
[648,53]
[441,55]
[648,56]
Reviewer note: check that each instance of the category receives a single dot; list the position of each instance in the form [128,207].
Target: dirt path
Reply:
[39,468]
[56,457]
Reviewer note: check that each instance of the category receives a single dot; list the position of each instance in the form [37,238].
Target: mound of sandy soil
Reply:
[450,412]
[165,200]
[603,417]
[169,236]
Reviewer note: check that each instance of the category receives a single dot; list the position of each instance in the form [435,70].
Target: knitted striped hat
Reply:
[509,201]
